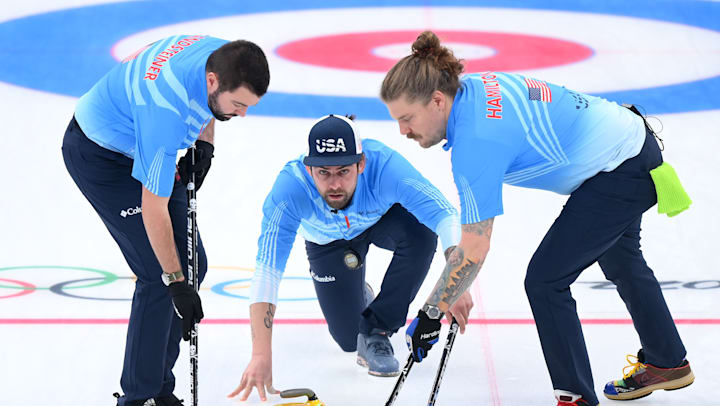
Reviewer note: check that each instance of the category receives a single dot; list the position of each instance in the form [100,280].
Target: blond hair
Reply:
[430,67]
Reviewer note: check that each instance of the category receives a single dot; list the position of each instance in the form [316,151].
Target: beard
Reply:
[338,204]
[215,109]
[429,141]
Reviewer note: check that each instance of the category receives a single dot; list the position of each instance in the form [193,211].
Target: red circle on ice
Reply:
[512,51]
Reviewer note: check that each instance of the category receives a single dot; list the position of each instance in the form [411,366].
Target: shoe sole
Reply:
[363,363]
[675,384]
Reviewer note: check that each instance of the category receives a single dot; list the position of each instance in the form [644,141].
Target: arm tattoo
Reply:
[448,252]
[483,228]
[269,316]
[459,271]
[456,278]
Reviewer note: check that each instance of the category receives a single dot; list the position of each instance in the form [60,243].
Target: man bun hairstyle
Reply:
[428,68]
[240,63]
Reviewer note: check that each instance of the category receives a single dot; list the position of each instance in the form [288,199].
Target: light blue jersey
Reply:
[507,128]
[151,105]
[294,206]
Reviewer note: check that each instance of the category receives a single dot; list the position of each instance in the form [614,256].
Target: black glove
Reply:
[187,306]
[421,334]
[203,154]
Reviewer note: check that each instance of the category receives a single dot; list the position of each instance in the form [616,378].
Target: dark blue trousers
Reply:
[341,291]
[154,331]
[600,222]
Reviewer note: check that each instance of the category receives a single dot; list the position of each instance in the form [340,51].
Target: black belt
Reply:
[635,110]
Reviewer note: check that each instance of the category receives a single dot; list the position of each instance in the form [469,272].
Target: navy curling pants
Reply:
[341,290]
[154,331]
[600,222]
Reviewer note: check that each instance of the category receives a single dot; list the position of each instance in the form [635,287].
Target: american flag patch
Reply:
[538,90]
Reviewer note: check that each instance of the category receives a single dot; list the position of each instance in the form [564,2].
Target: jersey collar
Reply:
[450,129]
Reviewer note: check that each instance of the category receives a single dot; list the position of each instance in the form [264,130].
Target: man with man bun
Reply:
[508,128]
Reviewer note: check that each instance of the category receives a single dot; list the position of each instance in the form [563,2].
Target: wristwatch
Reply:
[433,312]
[169,278]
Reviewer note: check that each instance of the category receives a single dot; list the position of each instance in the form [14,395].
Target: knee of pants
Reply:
[422,244]
[426,239]
[534,284]
[610,268]
[346,340]
[533,287]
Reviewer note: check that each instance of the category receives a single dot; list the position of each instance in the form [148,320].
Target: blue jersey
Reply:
[294,206]
[151,105]
[507,128]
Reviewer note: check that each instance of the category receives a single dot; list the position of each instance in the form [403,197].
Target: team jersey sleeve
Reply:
[479,165]
[159,134]
[400,182]
[280,223]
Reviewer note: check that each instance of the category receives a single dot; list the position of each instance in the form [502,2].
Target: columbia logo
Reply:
[322,279]
[130,211]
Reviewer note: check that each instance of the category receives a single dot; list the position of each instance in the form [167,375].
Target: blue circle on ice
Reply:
[67,51]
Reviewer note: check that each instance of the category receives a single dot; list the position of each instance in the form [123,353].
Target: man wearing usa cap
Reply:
[342,196]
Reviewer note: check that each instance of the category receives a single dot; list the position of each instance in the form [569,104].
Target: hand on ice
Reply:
[257,375]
